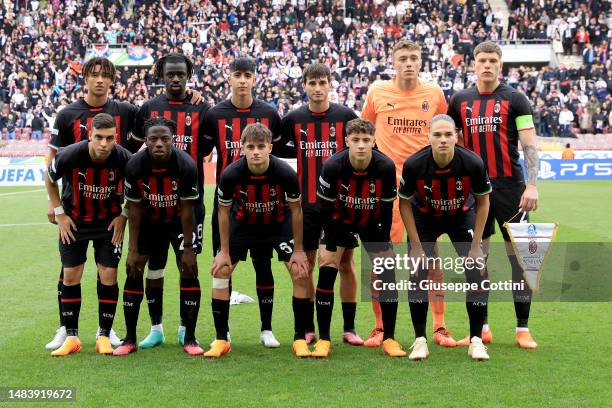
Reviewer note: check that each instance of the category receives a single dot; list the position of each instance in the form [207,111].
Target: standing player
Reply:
[256,194]
[73,124]
[437,191]
[357,189]
[401,109]
[161,185]
[174,70]
[225,123]
[89,210]
[316,131]
[493,118]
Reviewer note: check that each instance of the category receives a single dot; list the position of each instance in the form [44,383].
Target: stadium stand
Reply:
[44,44]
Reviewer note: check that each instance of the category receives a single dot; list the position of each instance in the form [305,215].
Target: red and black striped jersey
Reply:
[190,131]
[258,200]
[73,123]
[443,191]
[313,138]
[160,189]
[358,196]
[90,188]
[490,123]
[225,123]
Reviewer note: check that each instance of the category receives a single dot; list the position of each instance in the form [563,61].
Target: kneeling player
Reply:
[357,189]
[161,185]
[436,198]
[90,209]
[255,194]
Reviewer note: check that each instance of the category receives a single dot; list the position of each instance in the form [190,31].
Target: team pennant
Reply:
[531,242]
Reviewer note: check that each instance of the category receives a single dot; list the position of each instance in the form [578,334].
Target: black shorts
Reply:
[503,207]
[372,238]
[105,253]
[459,228]
[261,243]
[154,240]
[312,227]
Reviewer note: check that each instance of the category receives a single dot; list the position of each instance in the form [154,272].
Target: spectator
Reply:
[38,126]
[566,117]
[599,120]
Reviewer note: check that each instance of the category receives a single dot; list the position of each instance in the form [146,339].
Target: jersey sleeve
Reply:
[138,125]
[225,189]
[389,192]
[442,106]
[522,111]
[203,140]
[291,186]
[60,164]
[188,183]
[369,109]
[453,111]
[60,135]
[275,127]
[210,137]
[327,188]
[285,147]
[407,188]
[481,184]
[133,192]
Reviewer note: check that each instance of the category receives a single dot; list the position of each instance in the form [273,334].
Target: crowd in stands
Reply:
[44,43]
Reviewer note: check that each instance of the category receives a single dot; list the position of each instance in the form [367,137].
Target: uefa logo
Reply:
[532,230]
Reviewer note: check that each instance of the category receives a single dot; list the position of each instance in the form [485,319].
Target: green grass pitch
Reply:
[571,368]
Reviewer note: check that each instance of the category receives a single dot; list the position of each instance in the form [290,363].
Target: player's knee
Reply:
[327,259]
[72,275]
[108,275]
[220,283]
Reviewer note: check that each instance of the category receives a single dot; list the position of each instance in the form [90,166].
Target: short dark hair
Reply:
[243,64]
[256,132]
[315,71]
[567,145]
[360,126]
[103,121]
[107,67]
[159,121]
[488,46]
[158,68]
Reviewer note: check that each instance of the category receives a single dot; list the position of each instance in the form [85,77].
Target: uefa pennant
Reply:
[531,243]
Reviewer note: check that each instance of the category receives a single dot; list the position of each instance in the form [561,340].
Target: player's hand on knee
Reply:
[135,264]
[418,260]
[529,199]
[222,265]
[118,227]
[66,226]
[189,264]
[477,259]
[298,265]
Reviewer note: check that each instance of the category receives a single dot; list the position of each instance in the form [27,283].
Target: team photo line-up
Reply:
[455,167]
